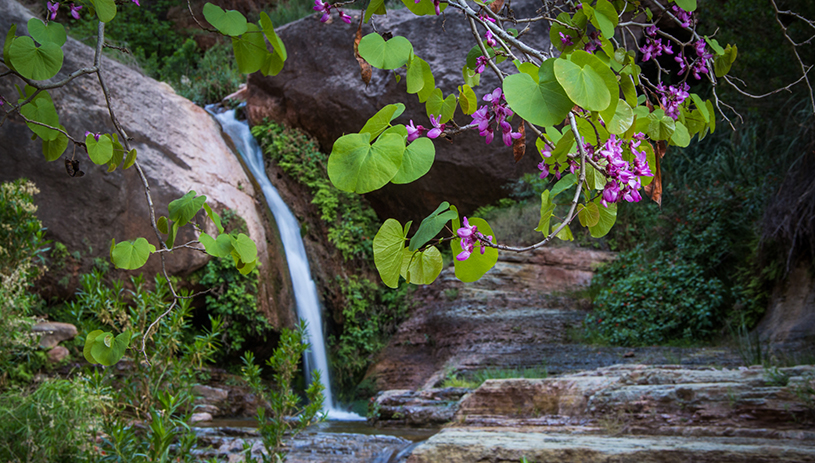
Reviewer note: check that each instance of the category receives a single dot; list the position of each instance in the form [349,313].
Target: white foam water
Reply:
[305,291]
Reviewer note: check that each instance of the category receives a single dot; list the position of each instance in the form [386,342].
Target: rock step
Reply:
[455,445]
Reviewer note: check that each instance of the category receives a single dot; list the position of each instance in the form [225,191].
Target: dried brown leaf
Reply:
[365,70]
[519,144]
[654,189]
[496,6]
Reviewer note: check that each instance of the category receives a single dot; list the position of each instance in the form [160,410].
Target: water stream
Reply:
[305,291]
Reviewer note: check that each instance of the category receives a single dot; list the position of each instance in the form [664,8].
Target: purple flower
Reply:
[136,2]
[469,236]
[480,64]
[565,39]
[53,7]
[683,16]
[482,17]
[655,47]
[414,132]
[437,129]
[546,152]
[75,10]
[672,97]
[345,18]
[494,96]
[556,170]
[544,168]
[611,193]
[651,30]
[2,100]
[95,135]
[594,42]
[490,39]
[319,5]
[509,135]
[573,166]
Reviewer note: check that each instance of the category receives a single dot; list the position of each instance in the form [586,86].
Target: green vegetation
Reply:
[476,378]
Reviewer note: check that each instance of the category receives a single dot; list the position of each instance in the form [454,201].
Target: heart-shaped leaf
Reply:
[230,22]
[388,245]
[89,339]
[52,32]
[53,149]
[582,84]
[660,125]
[421,268]
[357,166]
[218,247]
[244,247]
[130,255]
[467,99]
[416,161]
[35,63]
[105,9]
[605,17]
[41,109]
[392,54]
[108,350]
[608,215]
[100,151]
[589,215]
[544,102]
[423,7]
[382,119]
[250,50]
[622,120]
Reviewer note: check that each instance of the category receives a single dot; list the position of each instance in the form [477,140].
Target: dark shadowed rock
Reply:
[789,323]
[180,149]
[320,91]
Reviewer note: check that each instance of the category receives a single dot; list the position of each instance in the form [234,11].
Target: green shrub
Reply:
[54,423]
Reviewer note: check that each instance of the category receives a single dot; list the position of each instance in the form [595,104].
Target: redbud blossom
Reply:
[345,18]
[565,39]
[469,236]
[480,64]
[95,135]
[683,16]
[413,131]
[75,10]
[437,129]
[497,112]
[544,168]
[136,2]
[53,7]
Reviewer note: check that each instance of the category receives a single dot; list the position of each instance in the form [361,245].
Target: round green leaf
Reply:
[108,350]
[477,264]
[392,54]
[100,151]
[589,215]
[105,9]
[541,103]
[35,63]
[382,119]
[423,7]
[622,120]
[416,162]
[583,85]
[608,215]
[605,17]
[415,75]
[467,99]
[388,245]
[219,247]
[52,32]
[687,5]
[680,137]
[422,268]
[660,126]
[228,22]
[356,166]
[53,149]
[250,50]
[130,255]
[244,247]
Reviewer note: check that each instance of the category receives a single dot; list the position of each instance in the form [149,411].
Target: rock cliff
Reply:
[180,148]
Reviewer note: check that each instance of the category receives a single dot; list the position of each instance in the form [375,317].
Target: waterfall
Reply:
[305,291]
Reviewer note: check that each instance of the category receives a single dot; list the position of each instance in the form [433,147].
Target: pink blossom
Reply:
[414,132]
[52,8]
[437,129]
[75,10]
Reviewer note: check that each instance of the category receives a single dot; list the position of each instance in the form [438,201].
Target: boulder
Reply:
[788,326]
[180,148]
[58,354]
[53,333]
[426,408]
[320,91]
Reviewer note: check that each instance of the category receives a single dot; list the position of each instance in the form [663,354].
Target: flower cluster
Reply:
[496,111]
[469,236]
[623,178]
[593,43]
[685,17]
[653,46]
[672,97]
[325,7]
[481,64]
[488,36]
[566,40]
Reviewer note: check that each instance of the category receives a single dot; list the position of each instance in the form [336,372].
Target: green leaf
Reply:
[105,9]
[547,209]
[589,215]
[35,63]
[273,62]
[467,99]
[622,120]
[660,126]
[243,267]
[439,106]
[470,77]
[477,264]
[375,7]
[53,149]
[41,109]
[605,17]
[565,234]
[382,119]
[214,217]
[541,103]
[230,22]
[250,50]
[392,54]
[416,162]
[722,64]
[429,82]
[563,184]
[421,268]
[714,44]
[356,166]
[415,75]
[7,45]
[220,247]
[163,225]
[579,21]
[100,151]
[118,155]
[108,350]
[86,351]
[173,233]
[388,245]
[582,84]
[52,32]
[432,225]
[244,247]
[608,215]
[687,5]
[423,8]
[130,255]
[594,178]
[680,137]
[529,68]
[710,109]
[700,105]
[130,159]
[183,209]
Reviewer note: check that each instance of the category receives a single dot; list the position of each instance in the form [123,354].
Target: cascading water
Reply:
[305,291]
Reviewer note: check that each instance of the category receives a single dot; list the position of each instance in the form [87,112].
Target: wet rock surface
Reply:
[429,407]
